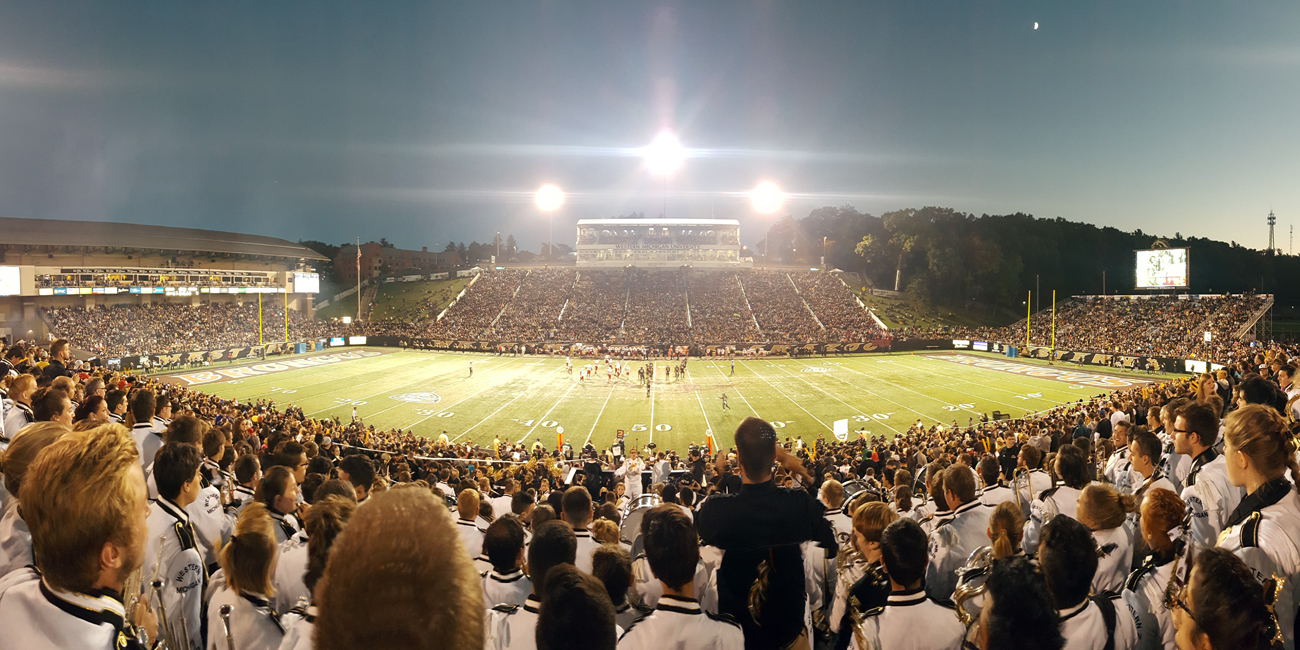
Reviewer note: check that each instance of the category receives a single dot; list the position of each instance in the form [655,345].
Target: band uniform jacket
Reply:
[647,590]
[506,588]
[1031,485]
[679,623]
[147,442]
[1084,626]
[170,555]
[1265,534]
[15,540]
[35,616]
[1117,471]
[951,544]
[289,569]
[1114,558]
[254,623]
[1210,498]
[298,628]
[471,539]
[992,495]
[910,621]
[1060,500]
[509,627]
[1149,584]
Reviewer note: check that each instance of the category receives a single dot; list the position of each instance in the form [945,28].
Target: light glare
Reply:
[665,154]
[766,197]
[549,198]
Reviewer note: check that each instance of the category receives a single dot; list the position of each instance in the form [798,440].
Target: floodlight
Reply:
[665,154]
[549,198]
[766,197]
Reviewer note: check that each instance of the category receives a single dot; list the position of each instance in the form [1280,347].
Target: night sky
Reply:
[424,122]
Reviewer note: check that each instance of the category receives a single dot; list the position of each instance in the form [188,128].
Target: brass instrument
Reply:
[225,624]
[858,612]
[165,631]
[971,581]
[1015,485]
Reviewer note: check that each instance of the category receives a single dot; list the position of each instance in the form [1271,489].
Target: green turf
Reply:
[526,398]
[414,301]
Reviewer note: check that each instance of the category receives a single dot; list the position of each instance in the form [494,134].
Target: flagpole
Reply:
[358,281]
[1029,305]
[1053,320]
[259,317]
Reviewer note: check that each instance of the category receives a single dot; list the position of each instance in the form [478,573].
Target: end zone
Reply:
[264,367]
[1068,376]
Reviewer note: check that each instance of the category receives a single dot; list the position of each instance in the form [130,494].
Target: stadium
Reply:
[631,326]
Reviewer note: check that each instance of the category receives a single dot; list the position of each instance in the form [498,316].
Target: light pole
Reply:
[548,199]
[766,198]
[498,246]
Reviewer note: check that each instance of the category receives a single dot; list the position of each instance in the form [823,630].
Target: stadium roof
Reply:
[106,234]
[658,222]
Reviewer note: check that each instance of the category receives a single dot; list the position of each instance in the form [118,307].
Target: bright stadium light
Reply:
[665,154]
[766,197]
[549,198]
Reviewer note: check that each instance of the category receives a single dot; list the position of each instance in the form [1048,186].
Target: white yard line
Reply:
[914,392]
[1010,378]
[598,414]
[708,428]
[653,371]
[548,412]
[389,379]
[512,401]
[948,380]
[869,392]
[413,388]
[789,399]
[832,396]
[737,390]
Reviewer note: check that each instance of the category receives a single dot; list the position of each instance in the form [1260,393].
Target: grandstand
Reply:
[660,243]
[90,276]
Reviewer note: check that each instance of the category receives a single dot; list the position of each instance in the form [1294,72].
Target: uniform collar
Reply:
[1264,496]
[169,507]
[513,576]
[141,425]
[1202,459]
[966,507]
[678,604]
[1069,613]
[97,607]
[466,522]
[907,598]
[531,604]
[24,407]
[582,533]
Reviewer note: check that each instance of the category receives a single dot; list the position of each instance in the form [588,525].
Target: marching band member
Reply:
[172,554]
[405,582]
[324,520]
[940,513]
[578,512]
[1173,465]
[1118,465]
[471,536]
[819,566]
[15,536]
[1222,606]
[512,627]
[630,472]
[1144,457]
[1105,512]
[908,619]
[1062,499]
[73,598]
[672,549]
[1210,498]
[1265,528]
[995,491]
[1068,558]
[506,584]
[1018,610]
[147,441]
[279,493]
[575,612]
[1031,480]
[248,475]
[20,414]
[953,540]
[1162,516]
[869,521]
[612,566]
[247,561]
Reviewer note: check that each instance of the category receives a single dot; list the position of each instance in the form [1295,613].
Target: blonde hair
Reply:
[249,555]
[77,495]
[1102,507]
[1006,527]
[467,504]
[28,442]
[397,577]
[872,518]
[604,531]
[1261,434]
[22,384]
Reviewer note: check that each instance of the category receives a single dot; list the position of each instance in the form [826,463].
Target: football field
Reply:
[527,398]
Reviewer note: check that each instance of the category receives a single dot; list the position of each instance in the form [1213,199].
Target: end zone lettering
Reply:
[209,376]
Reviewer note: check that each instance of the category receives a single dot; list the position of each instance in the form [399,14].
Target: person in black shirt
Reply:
[697,467]
[761,579]
[728,483]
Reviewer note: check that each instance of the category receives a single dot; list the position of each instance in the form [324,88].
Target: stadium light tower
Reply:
[766,198]
[548,199]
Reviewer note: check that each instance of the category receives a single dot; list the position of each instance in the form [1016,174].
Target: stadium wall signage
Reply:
[807,349]
[1041,372]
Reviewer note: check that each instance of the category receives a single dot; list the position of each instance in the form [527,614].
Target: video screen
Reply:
[1164,268]
[306,283]
[9,283]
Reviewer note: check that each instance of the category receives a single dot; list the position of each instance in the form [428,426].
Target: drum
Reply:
[630,531]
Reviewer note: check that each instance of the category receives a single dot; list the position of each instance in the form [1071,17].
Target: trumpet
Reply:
[165,631]
[225,624]
[1015,485]
[971,581]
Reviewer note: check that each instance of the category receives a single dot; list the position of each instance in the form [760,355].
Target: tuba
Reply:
[858,612]
[971,581]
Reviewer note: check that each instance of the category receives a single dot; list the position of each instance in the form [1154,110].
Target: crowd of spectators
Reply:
[782,315]
[489,533]
[836,307]
[656,309]
[719,312]
[533,314]
[168,327]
